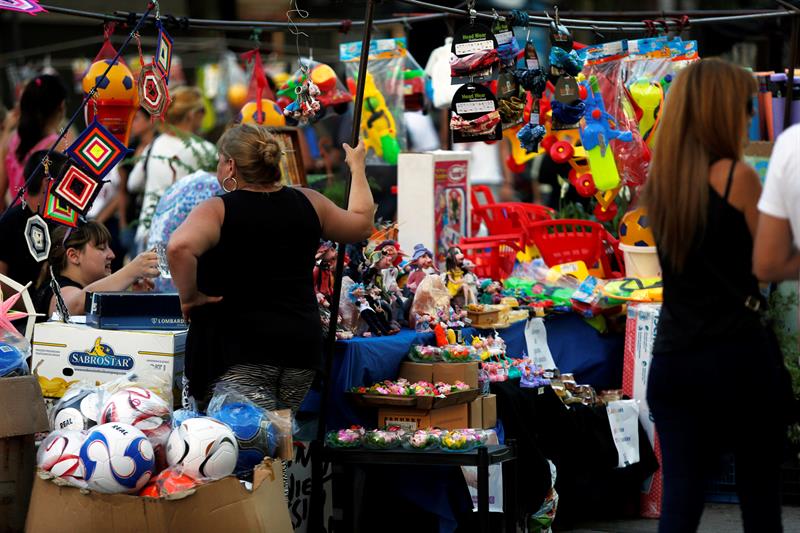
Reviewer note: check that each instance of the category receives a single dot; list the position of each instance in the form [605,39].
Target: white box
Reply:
[433,202]
[65,353]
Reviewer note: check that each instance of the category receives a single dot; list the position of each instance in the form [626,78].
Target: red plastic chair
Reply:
[494,257]
[565,241]
[480,196]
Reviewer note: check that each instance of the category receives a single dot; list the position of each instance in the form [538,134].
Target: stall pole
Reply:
[317,447]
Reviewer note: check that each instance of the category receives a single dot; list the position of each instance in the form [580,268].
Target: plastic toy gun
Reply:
[599,130]
[378,128]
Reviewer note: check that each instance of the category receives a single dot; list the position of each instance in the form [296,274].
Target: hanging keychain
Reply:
[305,106]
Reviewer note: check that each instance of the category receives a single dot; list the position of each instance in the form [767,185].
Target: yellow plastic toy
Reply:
[378,128]
[649,96]
[273,116]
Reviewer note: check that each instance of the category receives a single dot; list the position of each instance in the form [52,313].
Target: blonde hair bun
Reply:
[256,152]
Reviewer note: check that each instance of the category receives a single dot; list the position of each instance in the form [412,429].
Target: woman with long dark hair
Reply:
[41,110]
[713,384]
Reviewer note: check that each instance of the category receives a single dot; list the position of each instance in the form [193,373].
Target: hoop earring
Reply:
[235,184]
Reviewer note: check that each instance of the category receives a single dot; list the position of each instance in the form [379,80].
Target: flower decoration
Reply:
[345,438]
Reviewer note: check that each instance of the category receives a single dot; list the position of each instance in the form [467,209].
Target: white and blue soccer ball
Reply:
[78,410]
[255,434]
[59,454]
[203,448]
[117,458]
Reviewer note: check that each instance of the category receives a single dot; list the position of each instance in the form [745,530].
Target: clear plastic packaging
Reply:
[259,432]
[169,483]
[14,351]
[203,448]
[462,440]
[78,409]
[383,439]
[458,353]
[425,354]
[422,440]
[431,298]
[59,454]
[352,437]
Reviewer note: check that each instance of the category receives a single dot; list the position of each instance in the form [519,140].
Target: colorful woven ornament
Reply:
[97,149]
[31,7]
[57,210]
[37,237]
[163,57]
[77,187]
[153,92]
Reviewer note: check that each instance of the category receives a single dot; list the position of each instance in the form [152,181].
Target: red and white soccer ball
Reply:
[144,410]
[203,448]
[117,458]
[59,454]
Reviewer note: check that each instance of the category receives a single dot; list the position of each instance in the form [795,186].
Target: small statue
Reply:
[421,266]
[370,310]
[454,277]
[490,293]
[470,283]
[382,274]
[323,270]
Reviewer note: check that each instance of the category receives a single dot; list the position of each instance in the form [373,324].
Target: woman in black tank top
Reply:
[710,344]
[243,265]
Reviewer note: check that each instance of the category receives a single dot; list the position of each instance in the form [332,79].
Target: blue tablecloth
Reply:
[576,347]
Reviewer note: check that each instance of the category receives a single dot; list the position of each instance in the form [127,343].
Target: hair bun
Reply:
[270,152]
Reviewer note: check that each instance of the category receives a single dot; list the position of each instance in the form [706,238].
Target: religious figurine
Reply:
[470,283]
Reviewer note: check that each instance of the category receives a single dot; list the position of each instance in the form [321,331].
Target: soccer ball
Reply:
[143,409]
[117,458]
[77,410]
[203,448]
[119,83]
[273,116]
[59,454]
[168,482]
[255,434]
[634,229]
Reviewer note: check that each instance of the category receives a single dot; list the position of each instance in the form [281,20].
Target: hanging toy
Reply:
[530,136]
[649,97]
[568,62]
[154,76]
[115,97]
[306,107]
[599,130]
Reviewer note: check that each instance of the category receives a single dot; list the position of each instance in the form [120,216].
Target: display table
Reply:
[576,347]
[481,458]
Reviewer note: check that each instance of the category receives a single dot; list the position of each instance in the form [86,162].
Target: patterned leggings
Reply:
[270,387]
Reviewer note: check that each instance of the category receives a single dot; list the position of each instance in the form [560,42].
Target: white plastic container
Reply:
[641,261]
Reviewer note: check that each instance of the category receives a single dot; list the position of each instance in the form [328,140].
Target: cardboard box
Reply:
[135,311]
[23,414]
[446,372]
[65,353]
[453,417]
[489,411]
[224,505]
[483,412]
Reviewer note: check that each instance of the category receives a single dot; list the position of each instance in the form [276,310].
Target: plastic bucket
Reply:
[641,261]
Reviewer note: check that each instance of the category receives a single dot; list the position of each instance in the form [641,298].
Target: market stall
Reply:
[507,339]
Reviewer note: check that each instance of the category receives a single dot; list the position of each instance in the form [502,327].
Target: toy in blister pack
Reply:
[606,62]
[474,56]
[384,96]
[598,130]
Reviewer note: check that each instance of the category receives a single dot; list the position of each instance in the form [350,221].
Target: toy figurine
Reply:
[490,293]
[454,277]
[323,270]
[423,323]
[370,310]
[382,275]
[421,266]
[470,283]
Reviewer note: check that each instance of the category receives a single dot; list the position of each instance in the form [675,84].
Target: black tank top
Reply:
[263,268]
[700,308]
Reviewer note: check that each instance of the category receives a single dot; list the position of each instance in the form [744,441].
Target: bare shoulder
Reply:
[213,208]
[745,187]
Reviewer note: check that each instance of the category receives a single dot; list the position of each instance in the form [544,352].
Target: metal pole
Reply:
[317,501]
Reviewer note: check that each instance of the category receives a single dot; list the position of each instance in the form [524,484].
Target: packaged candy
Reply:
[422,440]
[383,439]
[345,438]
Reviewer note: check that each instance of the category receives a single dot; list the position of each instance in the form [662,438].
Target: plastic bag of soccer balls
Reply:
[14,352]
[121,438]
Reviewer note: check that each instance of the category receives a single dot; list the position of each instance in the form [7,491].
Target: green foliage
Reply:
[783,308]
[334,190]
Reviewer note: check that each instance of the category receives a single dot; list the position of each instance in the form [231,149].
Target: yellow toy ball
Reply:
[237,95]
[273,115]
[634,230]
[118,84]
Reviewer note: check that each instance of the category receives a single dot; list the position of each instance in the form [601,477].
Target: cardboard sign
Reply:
[536,340]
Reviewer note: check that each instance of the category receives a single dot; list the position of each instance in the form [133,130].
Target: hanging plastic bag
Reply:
[432,298]
[606,63]
[384,100]
[623,416]
[14,351]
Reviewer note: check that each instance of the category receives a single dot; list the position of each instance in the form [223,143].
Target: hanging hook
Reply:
[471,11]
[255,36]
